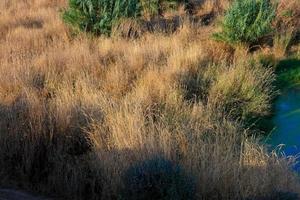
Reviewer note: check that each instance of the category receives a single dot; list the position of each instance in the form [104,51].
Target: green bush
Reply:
[99,16]
[157,179]
[247,21]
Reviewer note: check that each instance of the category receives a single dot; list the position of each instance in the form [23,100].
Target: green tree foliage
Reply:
[99,16]
[247,21]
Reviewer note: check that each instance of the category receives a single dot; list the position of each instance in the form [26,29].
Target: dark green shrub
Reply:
[99,16]
[157,179]
[247,21]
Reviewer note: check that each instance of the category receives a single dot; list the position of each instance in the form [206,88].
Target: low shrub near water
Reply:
[243,90]
[247,21]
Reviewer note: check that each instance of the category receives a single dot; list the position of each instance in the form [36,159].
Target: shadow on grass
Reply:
[59,165]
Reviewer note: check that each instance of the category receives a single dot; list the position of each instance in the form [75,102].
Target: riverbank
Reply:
[285,133]
[288,72]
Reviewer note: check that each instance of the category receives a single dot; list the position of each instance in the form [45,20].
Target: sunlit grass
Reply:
[77,112]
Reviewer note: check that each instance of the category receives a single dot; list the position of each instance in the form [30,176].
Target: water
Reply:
[287,122]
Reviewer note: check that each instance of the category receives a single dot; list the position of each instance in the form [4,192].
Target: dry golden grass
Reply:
[214,6]
[287,25]
[77,112]
[288,13]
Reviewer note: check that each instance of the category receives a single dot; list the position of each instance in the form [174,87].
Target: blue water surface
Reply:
[287,123]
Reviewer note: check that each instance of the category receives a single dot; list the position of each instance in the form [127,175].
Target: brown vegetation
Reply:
[75,113]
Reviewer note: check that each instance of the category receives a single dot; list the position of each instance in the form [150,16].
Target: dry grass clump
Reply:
[287,25]
[215,7]
[288,13]
[219,51]
[282,43]
[243,90]
[77,113]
